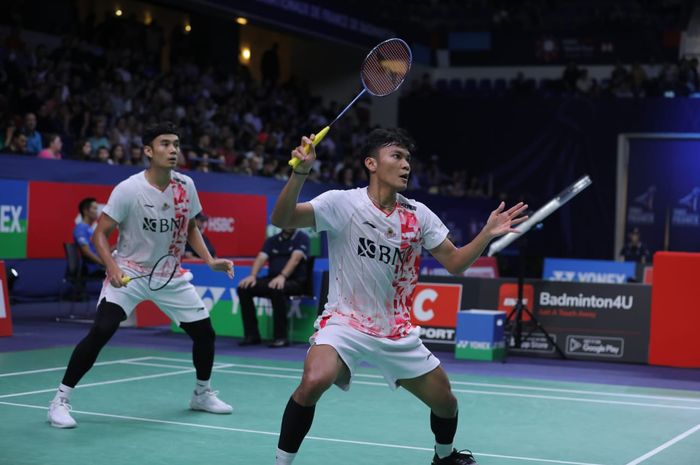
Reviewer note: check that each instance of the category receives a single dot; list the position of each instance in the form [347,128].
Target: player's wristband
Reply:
[301,174]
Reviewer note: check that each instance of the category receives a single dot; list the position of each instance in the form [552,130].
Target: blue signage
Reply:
[588,271]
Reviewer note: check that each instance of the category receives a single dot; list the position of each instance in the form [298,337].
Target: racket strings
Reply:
[163,271]
[385,68]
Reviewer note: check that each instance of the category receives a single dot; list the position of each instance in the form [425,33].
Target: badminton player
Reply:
[154,211]
[375,237]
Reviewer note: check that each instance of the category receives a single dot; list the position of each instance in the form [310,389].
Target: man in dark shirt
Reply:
[634,250]
[286,255]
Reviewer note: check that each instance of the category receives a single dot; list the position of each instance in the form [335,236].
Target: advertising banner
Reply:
[236,224]
[588,271]
[586,320]
[54,213]
[13,219]
[665,212]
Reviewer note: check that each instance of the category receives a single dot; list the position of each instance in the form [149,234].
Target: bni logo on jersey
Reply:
[385,254]
[161,225]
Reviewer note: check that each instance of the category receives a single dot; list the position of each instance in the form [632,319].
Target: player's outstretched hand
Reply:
[306,153]
[502,221]
[221,264]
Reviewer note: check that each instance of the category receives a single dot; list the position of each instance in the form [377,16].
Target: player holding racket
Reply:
[375,237]
[154,211]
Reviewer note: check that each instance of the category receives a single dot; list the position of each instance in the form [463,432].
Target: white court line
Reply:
[44,370]
[101,383]
[467,383]
[315,438]
[464,391]
[664,446]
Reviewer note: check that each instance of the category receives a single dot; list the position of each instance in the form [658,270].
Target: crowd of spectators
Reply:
[634,81]
[90,100]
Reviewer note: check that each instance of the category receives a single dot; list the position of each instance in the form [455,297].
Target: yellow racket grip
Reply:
[126,280]
[294,162]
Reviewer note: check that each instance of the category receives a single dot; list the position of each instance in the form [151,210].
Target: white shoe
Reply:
[209,402]
[59,414]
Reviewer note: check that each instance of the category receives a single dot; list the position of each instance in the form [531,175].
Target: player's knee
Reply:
[107,320]
[313,384]
[200,331]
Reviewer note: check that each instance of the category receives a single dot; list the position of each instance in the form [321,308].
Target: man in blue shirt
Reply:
[286,254]
[82,235]
[34,142]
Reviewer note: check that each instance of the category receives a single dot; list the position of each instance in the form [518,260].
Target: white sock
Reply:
[63,392]
[202,386]
[284,458]
[443,450]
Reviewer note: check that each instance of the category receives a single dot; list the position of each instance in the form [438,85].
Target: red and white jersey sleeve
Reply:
[374,259]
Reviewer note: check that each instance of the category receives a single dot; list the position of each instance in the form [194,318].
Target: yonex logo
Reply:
[161,224]
[389,255]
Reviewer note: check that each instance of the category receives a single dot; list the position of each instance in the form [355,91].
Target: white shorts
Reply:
[404,358]
[179,299]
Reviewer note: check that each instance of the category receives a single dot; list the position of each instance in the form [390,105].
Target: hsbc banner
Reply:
[236,223]
[588,321]
[588,271]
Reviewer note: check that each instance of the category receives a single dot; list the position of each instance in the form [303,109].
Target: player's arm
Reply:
[194,238]
[500,222]
[288,213]
[105,228]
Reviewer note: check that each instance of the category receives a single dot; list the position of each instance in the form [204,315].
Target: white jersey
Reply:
[374,259]
[151,223]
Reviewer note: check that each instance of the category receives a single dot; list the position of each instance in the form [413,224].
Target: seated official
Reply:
[82,236]
[286,254]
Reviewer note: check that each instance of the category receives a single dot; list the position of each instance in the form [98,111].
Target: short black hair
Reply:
[85,204]
[155,130]
[379,138]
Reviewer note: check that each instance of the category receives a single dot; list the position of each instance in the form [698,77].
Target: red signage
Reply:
[236,225]
[53,210]
[436,304]
[508,297]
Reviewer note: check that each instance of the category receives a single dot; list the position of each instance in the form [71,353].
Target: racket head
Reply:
[386,66]
[163,272]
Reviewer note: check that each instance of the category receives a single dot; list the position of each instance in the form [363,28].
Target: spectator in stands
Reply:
[634,250]
[136,155]
[53,151]
[103,156]
[201,220]
[18,143]
[33,136]
[98,138]
[82,236]
[118,156]
[84,150]
[286,254]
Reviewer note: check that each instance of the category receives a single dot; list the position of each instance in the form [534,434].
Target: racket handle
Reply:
[126,280]
[294,162]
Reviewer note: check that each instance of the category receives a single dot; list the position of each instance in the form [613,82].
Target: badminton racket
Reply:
[546,210]
[383,71]
[161,274]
